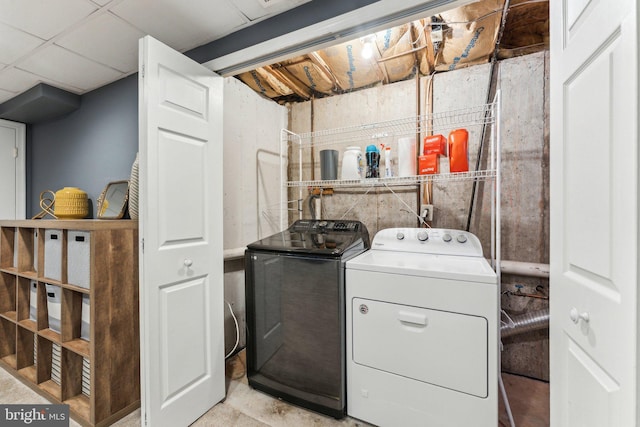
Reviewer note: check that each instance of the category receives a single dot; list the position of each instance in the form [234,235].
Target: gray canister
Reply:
[329,164]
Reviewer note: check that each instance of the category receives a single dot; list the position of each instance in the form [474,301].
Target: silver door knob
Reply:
[576,316]
[188,263]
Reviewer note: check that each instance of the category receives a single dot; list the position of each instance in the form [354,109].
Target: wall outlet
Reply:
[426,212]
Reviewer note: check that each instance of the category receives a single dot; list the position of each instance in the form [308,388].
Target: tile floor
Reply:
[246,407]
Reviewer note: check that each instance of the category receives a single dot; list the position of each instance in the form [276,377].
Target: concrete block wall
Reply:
[525,191]
[252,188]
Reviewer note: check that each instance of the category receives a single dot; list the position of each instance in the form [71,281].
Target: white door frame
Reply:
[20,155]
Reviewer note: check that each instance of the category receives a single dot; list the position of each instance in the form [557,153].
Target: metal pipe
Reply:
[528,269]
[527,322]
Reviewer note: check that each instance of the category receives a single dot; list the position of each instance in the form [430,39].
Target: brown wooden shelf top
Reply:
[72,224]
[50,335]
[78,346]
[28,324]
[10,315]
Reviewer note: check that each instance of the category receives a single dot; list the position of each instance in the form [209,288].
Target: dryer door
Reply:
[436,347]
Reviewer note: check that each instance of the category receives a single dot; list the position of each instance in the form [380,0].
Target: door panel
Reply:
[181,162]
[186,336]
[594,208]
[182,348]
[597,391]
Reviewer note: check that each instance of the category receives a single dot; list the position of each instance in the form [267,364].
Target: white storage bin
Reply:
[53,254]
[54,299]
[15,249]
[56,358]
[84,328]
[86,377]
[35,250]
[33,300]
[79,258]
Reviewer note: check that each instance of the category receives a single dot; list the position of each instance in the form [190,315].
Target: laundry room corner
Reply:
[457,205]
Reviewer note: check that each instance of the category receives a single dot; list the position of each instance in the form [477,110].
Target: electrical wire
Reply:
[235,320]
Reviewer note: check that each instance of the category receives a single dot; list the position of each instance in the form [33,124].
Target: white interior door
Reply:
[12,170]
[181,276]
[594,212]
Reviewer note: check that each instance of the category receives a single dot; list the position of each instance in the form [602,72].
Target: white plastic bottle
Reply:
[387,161]
[407,156]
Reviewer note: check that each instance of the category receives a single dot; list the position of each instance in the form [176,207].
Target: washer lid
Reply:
[452,267]
[326,238]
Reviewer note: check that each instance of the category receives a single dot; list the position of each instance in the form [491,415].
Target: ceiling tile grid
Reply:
[106,39]
[182,25]
[80,45]
[45,18]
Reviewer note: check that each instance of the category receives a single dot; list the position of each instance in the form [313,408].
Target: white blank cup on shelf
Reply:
[79,258]
[53,254]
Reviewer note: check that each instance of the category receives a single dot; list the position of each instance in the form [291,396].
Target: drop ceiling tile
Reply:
[106,39]
[18,81]
[44,18]
[6,95]
[15,80]
[182,25]
[15,43]
[61,65]
[256,9]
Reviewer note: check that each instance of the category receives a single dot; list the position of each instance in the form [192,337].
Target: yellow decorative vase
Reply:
[71,203]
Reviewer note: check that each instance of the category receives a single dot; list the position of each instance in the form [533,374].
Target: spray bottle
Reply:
[387,161]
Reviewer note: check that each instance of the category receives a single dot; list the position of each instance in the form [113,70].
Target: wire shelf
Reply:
[435,123]
[396,180]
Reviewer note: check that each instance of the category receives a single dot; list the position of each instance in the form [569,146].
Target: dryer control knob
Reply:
[446,237]
[422,236]
[461,238]
[400,236]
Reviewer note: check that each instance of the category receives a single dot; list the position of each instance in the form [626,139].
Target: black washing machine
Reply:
[294,282]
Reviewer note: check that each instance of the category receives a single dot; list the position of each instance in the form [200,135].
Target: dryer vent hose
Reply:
[531,321]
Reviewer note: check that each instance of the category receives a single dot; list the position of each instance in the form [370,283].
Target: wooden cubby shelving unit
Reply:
[112,352]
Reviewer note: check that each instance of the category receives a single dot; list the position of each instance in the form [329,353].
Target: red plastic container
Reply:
[428,164]
[434,144]
[459,151]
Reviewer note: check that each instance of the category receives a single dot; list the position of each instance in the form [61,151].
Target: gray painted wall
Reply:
[87,148]
[97,143]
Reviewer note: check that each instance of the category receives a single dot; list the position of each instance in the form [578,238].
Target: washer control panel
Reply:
[325,226]
[428,240]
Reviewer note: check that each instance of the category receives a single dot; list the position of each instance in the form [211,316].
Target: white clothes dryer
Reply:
[422,331]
